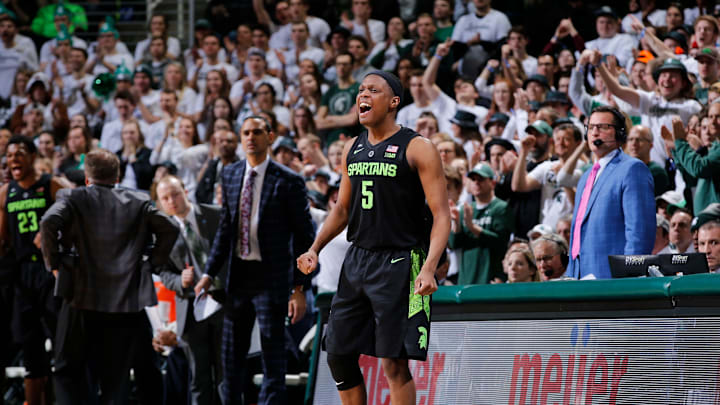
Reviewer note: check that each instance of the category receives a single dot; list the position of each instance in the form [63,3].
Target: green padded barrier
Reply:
[617,289]
[695,284]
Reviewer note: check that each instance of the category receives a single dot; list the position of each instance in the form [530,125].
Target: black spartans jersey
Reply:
[24,210]
[387,204]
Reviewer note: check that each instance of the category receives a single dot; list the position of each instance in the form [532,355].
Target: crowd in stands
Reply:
[507,121]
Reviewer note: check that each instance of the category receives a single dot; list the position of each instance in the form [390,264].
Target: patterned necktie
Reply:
[196,247]
[246,203]
[582,208]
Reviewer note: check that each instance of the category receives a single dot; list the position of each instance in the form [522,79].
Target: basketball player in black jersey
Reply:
[382,306]
[23,201]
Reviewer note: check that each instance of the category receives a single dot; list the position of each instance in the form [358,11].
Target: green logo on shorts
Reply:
[422,341]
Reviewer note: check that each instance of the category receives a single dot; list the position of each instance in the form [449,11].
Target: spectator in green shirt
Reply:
[48,19]
[704,168]
[480,230]
[639,144]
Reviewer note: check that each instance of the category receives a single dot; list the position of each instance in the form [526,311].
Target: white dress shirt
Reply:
[254,217]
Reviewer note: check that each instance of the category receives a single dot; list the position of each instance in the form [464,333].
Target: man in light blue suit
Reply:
[614,204]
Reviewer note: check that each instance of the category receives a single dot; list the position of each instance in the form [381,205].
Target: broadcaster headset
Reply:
[559,243]
[619,124]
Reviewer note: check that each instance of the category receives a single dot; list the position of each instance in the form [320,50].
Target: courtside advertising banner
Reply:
[557,362]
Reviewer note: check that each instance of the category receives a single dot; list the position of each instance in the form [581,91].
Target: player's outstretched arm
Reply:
[334,223]
[423,156]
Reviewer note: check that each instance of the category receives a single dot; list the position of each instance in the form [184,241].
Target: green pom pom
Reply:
[104,85]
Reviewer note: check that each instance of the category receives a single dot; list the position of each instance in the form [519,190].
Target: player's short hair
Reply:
[102,166]
[23,140]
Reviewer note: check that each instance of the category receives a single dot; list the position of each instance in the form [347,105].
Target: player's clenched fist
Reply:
[307,262]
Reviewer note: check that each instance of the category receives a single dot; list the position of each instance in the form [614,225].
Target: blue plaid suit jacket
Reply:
[619,219]
[285,230]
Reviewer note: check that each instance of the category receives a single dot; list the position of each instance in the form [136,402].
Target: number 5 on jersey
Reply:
[367,194]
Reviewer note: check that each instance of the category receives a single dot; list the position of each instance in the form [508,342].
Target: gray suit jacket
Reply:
[207,218]
[111,229]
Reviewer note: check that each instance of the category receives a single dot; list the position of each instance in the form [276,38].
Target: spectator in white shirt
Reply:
[158,28]
[609,41]
[300,51]
[11,40]
[197,73]
[47,50]
[484,26]
[517,43]
[242,90]
[318,28]
[362,24]
[111,137]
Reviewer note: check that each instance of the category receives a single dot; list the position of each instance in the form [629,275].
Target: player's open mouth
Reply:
[364,108]
[16,170]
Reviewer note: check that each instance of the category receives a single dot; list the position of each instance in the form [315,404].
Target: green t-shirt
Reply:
[339,102]
[660,178]
[444,33]
[44,22]
[704,168]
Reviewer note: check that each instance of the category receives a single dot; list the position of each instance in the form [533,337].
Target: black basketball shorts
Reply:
[374,311]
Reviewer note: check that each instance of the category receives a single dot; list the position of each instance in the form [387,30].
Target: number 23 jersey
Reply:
[387,202]
[25,208]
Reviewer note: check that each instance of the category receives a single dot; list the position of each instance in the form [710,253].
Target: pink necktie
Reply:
[581,210]
[245,211]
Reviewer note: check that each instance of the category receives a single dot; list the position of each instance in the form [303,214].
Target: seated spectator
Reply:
[662,234]
[563,227]
[219,108]
[657,109]
[109,53]
[264,98]
[242,90]
[310,94]
[481,230]
[48,113]
[670,197]
[62,17]
[480,32]
[157,60]
[639,143]
[337,114]
[610,41]
[211,60]
[78,144]
[11,40]
[551,256]
[466,96]
[427,124]
[443,15]
[680,236]
[123,83]
[648,12]
[196,52]
[298,12]
[359,48]
[75,88]
[148,99]
[175,141]
[336,43]
[302,123]
[174,78]
[217,87]
[159,131]
[566,38]
[386,54]
[111,137]
[708,62]
[538,231]
[135,169]
[315,161]
[209,176]
[238,47]
[158,29]
[703,168]
[300,51]
[707,225]
[285,152]
[373,31]
[519,265]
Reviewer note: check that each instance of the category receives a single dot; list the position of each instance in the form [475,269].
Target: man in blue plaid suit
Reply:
[265,222]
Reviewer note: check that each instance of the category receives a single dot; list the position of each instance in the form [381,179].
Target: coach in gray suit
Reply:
[107,285]
[198,225]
